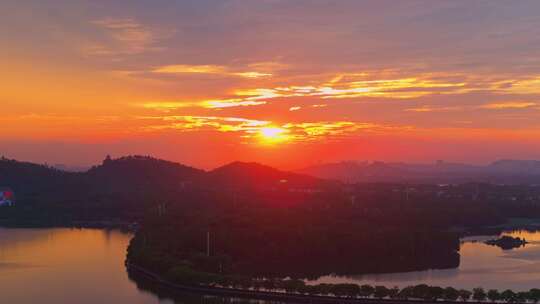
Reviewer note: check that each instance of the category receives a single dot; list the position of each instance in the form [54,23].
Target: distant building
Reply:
[7,197]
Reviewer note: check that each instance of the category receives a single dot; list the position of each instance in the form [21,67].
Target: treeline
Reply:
[185,276]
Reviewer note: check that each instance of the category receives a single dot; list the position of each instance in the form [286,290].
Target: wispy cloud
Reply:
[122,36]
[361,85]
[255,129]
[256,71]
[193,69]
[527,85]
[509,105]
[189,122]
[347,86]
[167,106]
[229,103]
[426,108]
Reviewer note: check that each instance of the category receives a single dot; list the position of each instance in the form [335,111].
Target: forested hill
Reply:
[127,186]
[144,173]
[256,176]
[31,178]
[140,173]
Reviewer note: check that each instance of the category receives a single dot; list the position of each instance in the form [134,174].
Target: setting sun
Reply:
[270,135]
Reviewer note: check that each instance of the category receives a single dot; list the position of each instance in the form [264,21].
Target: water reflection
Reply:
[78,266]
[480,265]
[87,266]
[177,296]
[66,266]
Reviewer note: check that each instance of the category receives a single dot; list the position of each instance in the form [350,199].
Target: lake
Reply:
[481,265]
[63,265]
[81,266]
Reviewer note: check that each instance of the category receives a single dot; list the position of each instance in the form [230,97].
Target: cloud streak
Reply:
[122,36]
[293,132]
[509,105]
[209,69]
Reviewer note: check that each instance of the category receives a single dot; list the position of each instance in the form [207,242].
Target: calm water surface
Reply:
[57,266]
[66,266]
[86,266]
[481,265]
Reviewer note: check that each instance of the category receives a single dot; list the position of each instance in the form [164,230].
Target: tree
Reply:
[450,294]
[293,285]
[435,292]
[508,296]
[421,291]
[352,290]
[381,292]
[308,289]
[522,296]
[534,295]
[406,292]
[393,292]
[479,294]
[493,295]
[366,291]
[464,295]
[341,290]
[323,288]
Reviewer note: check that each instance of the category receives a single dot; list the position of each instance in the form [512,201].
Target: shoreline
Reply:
[278,296]
[121,225]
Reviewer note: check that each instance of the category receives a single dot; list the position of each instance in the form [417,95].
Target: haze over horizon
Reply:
[284,83]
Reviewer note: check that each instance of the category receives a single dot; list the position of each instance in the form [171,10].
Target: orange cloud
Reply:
[229,103]
[424,109]
[526,85]
[509,105]
[267,131]
[343,86]
[165,106]
[197,69]
[209,69]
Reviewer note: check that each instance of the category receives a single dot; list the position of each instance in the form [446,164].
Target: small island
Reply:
[507,242]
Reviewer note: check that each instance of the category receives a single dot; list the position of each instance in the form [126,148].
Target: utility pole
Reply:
[407,194]
[208,243]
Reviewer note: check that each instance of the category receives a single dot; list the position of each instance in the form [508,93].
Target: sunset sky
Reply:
[287,83]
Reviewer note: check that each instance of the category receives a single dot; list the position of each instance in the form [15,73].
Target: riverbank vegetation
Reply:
[183,275]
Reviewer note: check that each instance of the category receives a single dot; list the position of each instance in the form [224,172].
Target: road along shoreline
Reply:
[274,296]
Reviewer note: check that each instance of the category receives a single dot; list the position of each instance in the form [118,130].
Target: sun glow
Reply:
[271,135]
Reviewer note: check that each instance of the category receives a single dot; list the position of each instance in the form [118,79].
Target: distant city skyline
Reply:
[284,83]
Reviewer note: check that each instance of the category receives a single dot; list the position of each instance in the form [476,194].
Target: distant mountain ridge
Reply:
[255,175]
[136,174]
[141,174]
[514,166]
[503,171]
[131,187]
